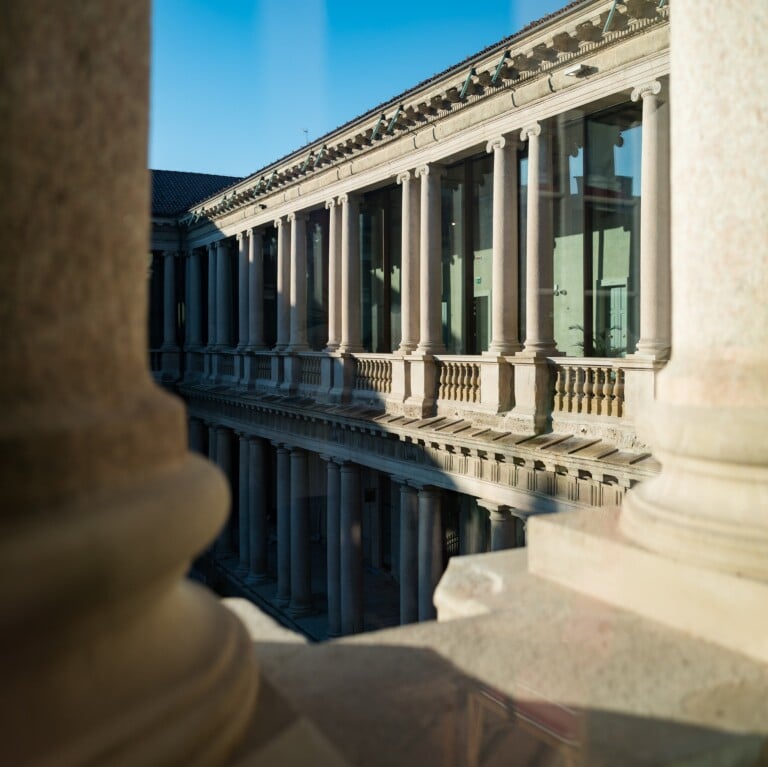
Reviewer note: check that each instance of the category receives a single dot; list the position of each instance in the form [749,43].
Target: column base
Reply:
[587,551]
[300,611]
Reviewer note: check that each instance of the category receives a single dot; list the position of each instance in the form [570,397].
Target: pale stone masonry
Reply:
[411,298]
[614,637]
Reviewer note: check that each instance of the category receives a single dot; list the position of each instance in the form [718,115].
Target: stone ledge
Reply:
[585,551]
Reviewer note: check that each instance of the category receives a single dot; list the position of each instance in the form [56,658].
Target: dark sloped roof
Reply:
[174,191]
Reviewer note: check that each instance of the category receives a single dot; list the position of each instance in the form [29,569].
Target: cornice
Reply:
[539,54]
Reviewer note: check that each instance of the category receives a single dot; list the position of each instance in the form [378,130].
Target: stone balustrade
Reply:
[373,373]
[458,379]
[310,370]
[589,387]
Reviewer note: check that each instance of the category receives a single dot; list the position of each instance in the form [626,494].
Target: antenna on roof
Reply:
[306,136]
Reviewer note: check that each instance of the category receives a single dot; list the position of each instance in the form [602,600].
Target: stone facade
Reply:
[467,290]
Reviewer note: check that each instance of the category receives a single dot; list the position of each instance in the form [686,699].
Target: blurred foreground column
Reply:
[709,425]
[108,654]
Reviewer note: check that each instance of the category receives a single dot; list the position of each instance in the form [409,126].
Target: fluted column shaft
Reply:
[298,340]
[334,275]
[539,255]
[169,299]
[430,261]
[255,290]
[430,550]
[283,285]
[257,508]
[655,278]
[301,588]
[409,262]
[242,290]
[223,295]
[409,554]
[351,551]
[333,538]
[283,503]
[708,422]
[504,310]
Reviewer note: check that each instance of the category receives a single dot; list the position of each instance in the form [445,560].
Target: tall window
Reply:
[380,215]
[596,204]
[317,280]
[269,246]
[467,242]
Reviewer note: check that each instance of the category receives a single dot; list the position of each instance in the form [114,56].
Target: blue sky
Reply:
[235,83]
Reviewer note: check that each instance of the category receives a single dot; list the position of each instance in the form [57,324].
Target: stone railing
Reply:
[310,370]
[226,365]
[589,387]
[373,373]
[458,379]
[263,366]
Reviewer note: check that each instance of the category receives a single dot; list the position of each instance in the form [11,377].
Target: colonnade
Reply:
[245,540]
[240,327]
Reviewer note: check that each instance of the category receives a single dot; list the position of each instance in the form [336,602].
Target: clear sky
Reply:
[235,83]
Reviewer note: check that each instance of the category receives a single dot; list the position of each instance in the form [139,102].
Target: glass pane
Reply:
[482,247]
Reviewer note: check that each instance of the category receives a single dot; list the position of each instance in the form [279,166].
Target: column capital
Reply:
[498,511]
[211,247]
[297,216]
[254,231]
[529,131]
[348,198]
[330,204]
[405,176]
[500,142]
[652,88]
[431,169]
[223,244]
[278,222]
[241,236]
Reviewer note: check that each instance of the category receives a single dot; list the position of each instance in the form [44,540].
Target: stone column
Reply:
[212,443]
[333,538]
[283,503]
[301,588]
[430,277]
[223,295]
[350,274]
[211,338]
[655,278]
[298,308]
[257,509]
[117,665]
[244,482]
[539,253]
[504,327]
[503,525]
[283,285]
[334,275]
[242,291]
[351,551]
[709,421]
[409,262]
[409,554]
[169,301]
[224,543]
[255,290]
[194,315]
[430,550]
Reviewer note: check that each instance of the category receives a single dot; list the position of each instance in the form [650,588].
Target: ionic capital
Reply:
[430,170]
[330,204]
[278,223]
[405,177]
[530,131]
[652,88]
[212,247]
[297,216]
